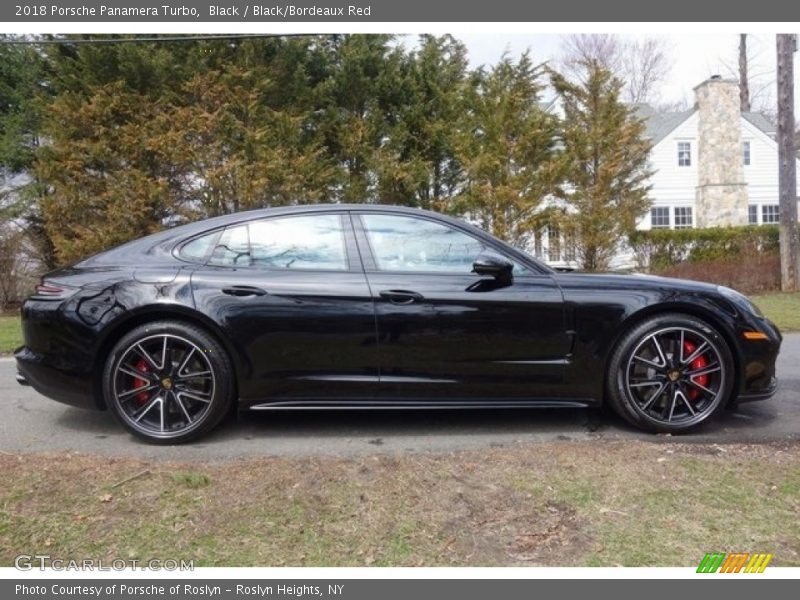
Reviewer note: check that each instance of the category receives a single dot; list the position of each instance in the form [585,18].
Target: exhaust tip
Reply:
[21,379]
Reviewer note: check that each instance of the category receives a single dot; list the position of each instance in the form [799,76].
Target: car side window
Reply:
[410,244]
[304,242]
[307,242]
[198,249]
[233,248]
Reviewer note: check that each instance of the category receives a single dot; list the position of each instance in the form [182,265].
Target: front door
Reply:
[447,333]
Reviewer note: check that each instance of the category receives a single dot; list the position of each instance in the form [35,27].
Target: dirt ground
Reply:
[562,503]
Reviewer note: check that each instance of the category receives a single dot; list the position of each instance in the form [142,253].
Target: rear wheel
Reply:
[670,373]
[168,382]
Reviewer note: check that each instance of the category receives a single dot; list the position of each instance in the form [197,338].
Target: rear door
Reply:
[445,332]
[291,293]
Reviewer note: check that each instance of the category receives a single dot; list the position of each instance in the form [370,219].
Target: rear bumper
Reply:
[50,381]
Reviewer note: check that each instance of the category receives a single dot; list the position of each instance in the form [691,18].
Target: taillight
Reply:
[53,291]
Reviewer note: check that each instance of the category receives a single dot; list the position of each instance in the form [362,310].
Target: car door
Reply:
[447,333]
[291,294]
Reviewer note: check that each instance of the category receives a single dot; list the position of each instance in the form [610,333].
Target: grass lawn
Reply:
[10,334]
[783,309]
[559,503]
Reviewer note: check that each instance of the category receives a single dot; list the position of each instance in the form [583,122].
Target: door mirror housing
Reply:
[494,265]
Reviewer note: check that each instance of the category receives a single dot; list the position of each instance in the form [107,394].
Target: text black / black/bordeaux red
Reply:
[356,306]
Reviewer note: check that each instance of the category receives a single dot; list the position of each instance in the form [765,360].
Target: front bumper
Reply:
[758,373]
[50,381]
[764,394]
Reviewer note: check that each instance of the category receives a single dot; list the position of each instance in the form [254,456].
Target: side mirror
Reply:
[494,265]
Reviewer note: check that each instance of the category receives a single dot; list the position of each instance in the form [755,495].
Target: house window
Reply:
[684,154]
[553,244]
[570,246]
[752,214]
[659,217]
[683,217]
[746,153]
[770,213]
[538,246]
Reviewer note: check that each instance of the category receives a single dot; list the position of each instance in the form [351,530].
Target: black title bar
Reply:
[299,11]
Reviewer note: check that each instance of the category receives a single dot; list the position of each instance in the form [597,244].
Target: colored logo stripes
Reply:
[737,562]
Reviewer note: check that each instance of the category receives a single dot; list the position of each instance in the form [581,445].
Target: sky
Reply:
[696,57]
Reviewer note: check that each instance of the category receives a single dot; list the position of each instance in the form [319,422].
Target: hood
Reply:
[633,280]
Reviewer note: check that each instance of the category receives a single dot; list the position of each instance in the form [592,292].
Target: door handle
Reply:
[401,296]
[244,290]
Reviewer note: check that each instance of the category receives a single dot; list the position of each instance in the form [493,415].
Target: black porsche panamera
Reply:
[354,306]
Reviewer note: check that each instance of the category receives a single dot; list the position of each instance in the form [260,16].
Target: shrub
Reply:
[750,275]
[744,258]
[659,249]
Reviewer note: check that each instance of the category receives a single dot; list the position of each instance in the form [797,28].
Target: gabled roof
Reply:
[659,124]
[761,122]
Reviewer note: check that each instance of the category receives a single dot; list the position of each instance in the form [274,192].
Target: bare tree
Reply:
[15,272]
[645,65]
[580,48]
[756,79]
[744,82]
[642,64]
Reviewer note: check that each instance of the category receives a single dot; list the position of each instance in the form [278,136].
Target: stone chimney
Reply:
[721,197]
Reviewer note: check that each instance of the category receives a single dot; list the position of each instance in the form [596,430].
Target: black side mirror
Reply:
[494,265]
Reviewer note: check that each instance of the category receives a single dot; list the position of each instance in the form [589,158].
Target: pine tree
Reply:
[108,172]
[506,144]
[22,98]
[417,164]
[605,165]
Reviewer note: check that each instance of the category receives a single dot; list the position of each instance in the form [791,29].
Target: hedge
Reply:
[658,249]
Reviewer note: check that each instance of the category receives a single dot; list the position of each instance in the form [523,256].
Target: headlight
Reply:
[740,301]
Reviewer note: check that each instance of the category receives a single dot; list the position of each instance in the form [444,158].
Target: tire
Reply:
[168,382]
[670,373]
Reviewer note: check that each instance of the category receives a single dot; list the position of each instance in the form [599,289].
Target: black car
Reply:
[359,306]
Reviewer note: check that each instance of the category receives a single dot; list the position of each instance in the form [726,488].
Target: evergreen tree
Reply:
[23,94]
[417,163]
[506,145]
[605,165]
[108,169]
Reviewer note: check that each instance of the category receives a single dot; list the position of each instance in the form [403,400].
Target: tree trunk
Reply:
[787,186]
[744,84]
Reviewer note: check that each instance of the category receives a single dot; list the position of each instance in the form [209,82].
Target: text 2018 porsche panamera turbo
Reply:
[356,306]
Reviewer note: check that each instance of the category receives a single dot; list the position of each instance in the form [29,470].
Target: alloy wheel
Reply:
[163,385]
[675,376]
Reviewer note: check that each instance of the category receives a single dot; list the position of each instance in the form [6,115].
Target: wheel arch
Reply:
[698,311]
[150,314]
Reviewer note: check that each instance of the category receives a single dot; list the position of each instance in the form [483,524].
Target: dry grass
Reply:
[563,503]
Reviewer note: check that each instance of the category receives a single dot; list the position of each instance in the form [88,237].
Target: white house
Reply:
[713,166]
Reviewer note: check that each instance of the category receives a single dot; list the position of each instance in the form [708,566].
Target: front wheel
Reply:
[168,382]
[670,373]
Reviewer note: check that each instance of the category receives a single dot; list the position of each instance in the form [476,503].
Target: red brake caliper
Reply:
[698,363]
[141,397]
